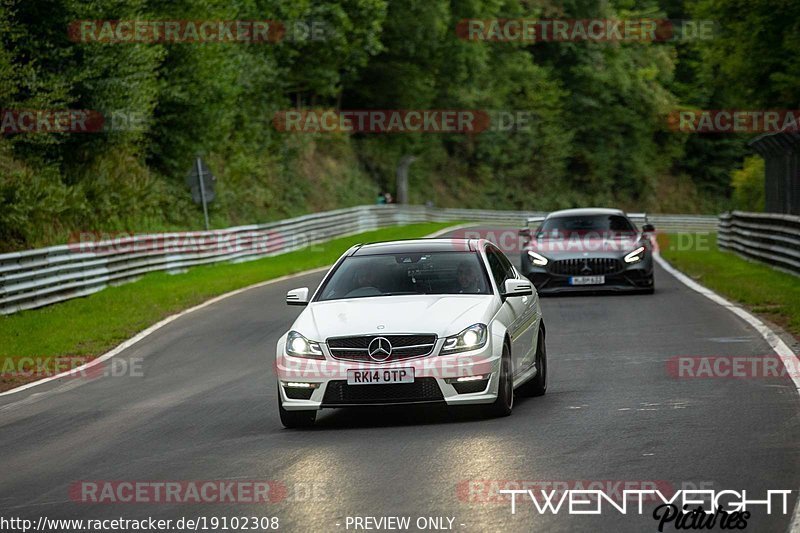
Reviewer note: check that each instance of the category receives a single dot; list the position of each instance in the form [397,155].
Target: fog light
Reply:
[300,385]
[466,379]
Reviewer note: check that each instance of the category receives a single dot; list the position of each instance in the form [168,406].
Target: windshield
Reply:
[600,225]
[398,274]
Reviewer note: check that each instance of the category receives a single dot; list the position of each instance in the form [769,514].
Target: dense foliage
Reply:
[598,135]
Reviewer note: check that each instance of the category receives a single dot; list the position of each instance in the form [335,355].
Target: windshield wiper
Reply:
[398,293]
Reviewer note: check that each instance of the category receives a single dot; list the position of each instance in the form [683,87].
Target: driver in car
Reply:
[467,278]
[364,277]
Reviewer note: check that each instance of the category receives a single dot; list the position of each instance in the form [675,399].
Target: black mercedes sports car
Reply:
[590,249]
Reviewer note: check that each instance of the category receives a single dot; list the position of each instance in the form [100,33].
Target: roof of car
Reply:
[415,246]
[586,211]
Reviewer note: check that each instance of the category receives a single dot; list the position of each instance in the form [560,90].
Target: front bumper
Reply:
[434,379]
[634,277]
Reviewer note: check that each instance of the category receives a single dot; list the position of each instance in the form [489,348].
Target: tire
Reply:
[296,419]
[538,385]
[504,403]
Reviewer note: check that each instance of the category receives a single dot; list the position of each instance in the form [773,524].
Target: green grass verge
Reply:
[88,327]
[763,290]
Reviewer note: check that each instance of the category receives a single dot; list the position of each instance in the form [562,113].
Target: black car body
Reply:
[593,249]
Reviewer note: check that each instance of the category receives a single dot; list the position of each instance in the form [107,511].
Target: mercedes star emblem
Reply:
[379,349]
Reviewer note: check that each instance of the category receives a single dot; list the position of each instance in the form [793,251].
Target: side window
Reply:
[496,266]
[507,266]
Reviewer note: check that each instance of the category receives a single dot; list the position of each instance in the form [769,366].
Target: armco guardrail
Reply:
[35,278]
[768,237]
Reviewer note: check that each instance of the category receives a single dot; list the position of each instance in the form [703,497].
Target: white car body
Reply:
[511,320]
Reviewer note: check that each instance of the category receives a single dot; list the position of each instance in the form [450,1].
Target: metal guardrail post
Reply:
[769,238]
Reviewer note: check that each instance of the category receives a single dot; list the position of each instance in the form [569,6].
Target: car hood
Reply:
[570,248]
[442,315]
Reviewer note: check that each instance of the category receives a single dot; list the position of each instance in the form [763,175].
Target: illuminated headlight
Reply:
[299,346]
[537,259]
[472,338]
[635,255]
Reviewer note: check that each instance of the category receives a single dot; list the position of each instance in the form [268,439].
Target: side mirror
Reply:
[525,235]
[516,287]
[297,296]
[648,228]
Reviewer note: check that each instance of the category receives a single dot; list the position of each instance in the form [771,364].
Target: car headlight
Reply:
[635,255]
[299,346]
[537,259]
[472,338]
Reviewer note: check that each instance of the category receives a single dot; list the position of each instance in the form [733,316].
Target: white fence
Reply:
[35,278]
[768,237]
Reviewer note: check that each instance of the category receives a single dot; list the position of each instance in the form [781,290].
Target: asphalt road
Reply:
[203,407]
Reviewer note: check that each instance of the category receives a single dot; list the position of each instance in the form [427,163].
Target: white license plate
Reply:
[374,377]
[587,280]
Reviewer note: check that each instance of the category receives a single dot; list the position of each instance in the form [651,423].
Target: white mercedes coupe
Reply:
[408,322]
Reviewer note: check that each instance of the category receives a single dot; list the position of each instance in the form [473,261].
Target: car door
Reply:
[529,317]
[512,308]
[525,309]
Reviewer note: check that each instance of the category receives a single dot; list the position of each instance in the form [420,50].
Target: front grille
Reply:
[403,347]
[588,266]
[422,390]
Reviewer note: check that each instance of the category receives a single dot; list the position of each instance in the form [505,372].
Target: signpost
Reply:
[201,181]
[402,178]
